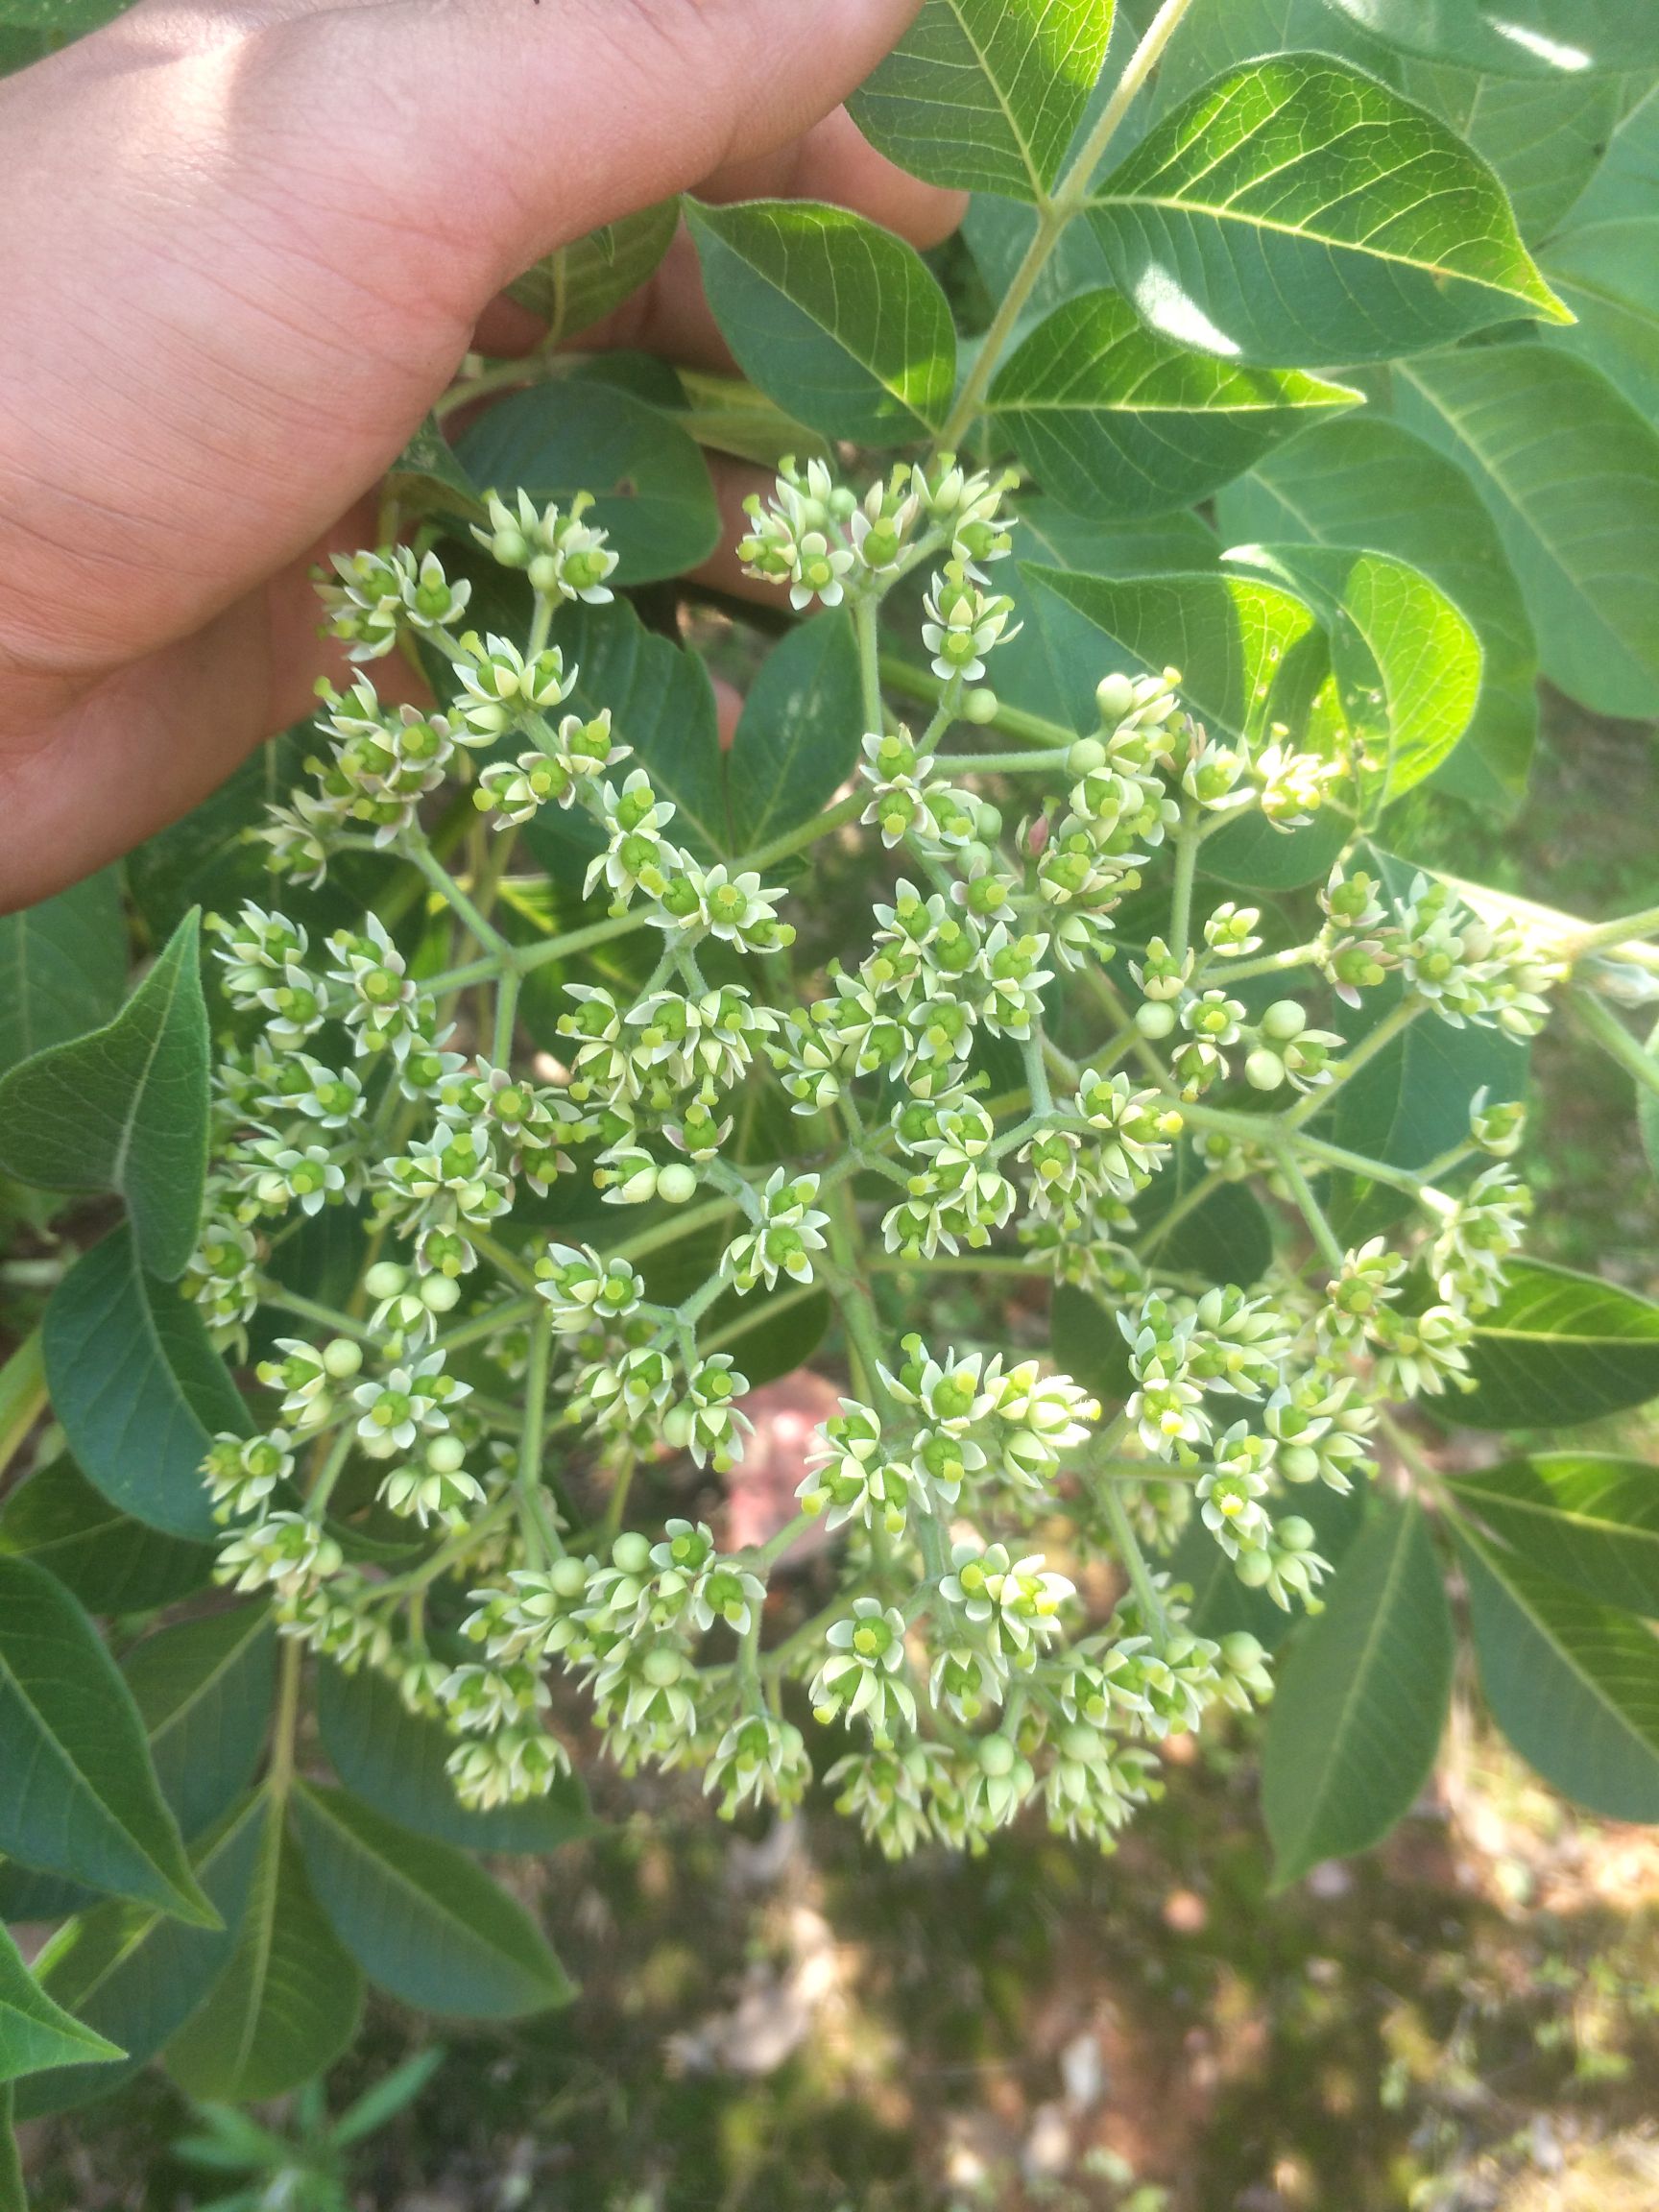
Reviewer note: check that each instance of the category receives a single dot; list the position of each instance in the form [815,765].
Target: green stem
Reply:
[866,629]
[922,685]
[1366,1050]
[1053,213]
[312,1309]
[280,1775]
[1005,763]
[330,1472]
[1644,923]
[419,853]
[506,1017]
[1607,1030]
[541,1534]
[1188,840]
[1311,1212]
[22,1396]
[1136,1568]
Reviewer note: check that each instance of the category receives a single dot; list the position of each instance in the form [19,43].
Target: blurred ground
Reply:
[774,2021]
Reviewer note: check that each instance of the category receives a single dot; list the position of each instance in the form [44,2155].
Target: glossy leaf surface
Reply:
[1118,420]
[423,1922]
[1299,212]
[985,94]
[833,317]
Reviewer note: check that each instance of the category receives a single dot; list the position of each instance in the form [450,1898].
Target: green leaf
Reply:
[835,318]
[288,2001]
[110,1562]
[1370,482]
[1407,663]
[423,1922]
[986,94]
[138,1388]
[1225,1238]
[394,1761]
[1570,473]
[1559,1349]
[35,2032]
[1296,211]
[1087,1344]
[1116,418]
[1608,274]
[1229,635]
[582,282]
[135,1976]
[1517,37]
[426,478]
[62,966]
[1544,135]
[63,18]
[797,738]
[1574,1685]
[1585,1517]
[204,1691]
[1628,181]
[556,440]
[1410,1105]
[125,1109]
[81,1797]
[1356,1716]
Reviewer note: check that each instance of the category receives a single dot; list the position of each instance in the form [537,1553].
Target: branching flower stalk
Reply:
[984,1077]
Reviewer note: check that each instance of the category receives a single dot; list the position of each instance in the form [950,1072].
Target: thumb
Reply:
[253,244]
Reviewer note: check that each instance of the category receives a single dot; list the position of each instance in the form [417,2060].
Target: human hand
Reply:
[246,248]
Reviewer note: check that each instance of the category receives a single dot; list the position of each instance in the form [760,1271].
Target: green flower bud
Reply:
[632,1552]
[342,1357]
[1284,1020]
[1156,1019]
[676,1182]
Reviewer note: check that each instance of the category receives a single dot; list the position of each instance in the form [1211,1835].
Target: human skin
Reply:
[243,248]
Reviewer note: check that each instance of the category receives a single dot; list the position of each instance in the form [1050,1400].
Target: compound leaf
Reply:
[1570,473]
[422,1921]
[1297,211]
[81,1797]
[985,95]
[1587,1518]
[125,1108]
[831,316]
[1357,1717]
[63,965]
[1574,1685]
[138,1387]
[1118,421]
[1559,1348]
[34,2031]
[797,738]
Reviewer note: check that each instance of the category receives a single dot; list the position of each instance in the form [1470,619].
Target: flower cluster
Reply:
[583,1215]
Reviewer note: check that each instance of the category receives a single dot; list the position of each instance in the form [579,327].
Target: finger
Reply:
[254,254]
